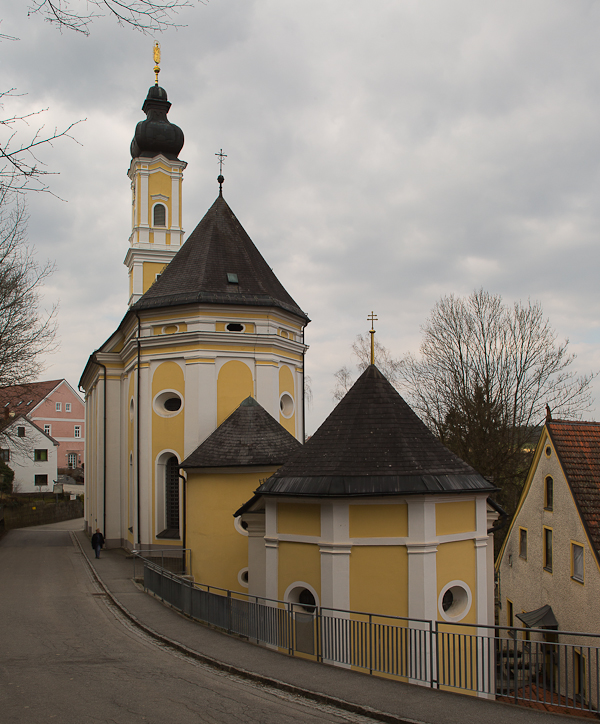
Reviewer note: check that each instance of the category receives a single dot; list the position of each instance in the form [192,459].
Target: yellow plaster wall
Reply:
[167,432]
[456,562]
[378,521]
[299,562]
[300,519]
[379,580]
[219,551]
[130,447]
[151,269]
[234,384]
[159,183]
[286,384]
[451,518]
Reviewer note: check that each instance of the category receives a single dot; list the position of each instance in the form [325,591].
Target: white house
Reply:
[31,453]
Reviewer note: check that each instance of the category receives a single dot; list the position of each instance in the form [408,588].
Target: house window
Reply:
[48,429]
[58,407]
[510,618]
[172,494]
[40,456]
[67,407]
[549,494]
[77,431]
[577,562]
[72,460]
[160,215]
[523,543]
[548,549]
[5,455]
[40,480]
[20,432]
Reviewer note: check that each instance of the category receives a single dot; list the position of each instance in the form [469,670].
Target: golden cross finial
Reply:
[156,60]
[372,318]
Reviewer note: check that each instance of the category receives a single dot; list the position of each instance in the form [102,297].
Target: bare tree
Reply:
[361,350]
[26,331]
[484,377]
[148,16]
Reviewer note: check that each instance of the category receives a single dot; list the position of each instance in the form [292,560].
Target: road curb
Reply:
[237,671]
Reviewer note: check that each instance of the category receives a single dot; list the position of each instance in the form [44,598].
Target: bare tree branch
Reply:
[361,350]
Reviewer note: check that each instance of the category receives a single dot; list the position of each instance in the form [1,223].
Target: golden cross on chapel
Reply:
[372,318]
[156,60]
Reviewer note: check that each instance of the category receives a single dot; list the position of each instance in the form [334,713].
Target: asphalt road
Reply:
[67,655]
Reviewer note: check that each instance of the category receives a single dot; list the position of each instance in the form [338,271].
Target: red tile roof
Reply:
[577,445]
[16,397]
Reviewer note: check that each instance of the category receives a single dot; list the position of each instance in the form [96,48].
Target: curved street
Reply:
[68,655]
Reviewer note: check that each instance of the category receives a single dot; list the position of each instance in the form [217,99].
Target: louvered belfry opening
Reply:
[172,494]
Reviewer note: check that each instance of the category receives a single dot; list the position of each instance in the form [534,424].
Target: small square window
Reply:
[41,480]
[77,432]
[40,456]
[5,455]
[523,543]
[67,407]
[20,432]
[548,549]
[577,562]
[58,406]
[549,493]
[48,429]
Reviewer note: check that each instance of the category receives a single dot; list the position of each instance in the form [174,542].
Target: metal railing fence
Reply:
[560,668]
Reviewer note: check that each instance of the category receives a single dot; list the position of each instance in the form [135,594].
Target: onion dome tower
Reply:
[156,174]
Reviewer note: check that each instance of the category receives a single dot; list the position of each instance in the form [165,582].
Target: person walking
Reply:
[97,542]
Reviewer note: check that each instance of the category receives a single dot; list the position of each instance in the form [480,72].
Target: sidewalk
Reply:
[372,696]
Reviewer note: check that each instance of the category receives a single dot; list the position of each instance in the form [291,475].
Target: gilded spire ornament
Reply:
[156,60]
[372,318]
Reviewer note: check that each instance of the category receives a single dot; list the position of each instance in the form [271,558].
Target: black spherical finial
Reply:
[220,179]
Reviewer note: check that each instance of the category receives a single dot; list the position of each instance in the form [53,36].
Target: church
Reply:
[208,325]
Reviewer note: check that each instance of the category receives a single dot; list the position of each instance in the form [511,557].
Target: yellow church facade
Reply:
[208,325]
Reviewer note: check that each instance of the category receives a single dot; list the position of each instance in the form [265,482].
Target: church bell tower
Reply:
[156,175]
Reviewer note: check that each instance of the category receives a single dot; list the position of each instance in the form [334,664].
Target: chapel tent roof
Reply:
[577,445]
[540,618]
[23,398]
[249,436]
[373,444]
[218,264]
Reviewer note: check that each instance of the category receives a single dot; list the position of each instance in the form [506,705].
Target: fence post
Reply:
[228,611]
[370,644]
[432,644]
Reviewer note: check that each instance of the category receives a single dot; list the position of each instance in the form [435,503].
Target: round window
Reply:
[303,597]
[240,525]
[167,403]
[286,404]
[243,577]
[234,327]
[131,409]
[455,601]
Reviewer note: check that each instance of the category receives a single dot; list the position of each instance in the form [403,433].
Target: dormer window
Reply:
[159,215]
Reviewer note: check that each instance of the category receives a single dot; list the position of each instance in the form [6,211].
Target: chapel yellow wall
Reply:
[286,384]
[452,518]
[130,432]
[159,183]
[167,432]
[378,521]
[299,562]
[219,551]
[299,519]
[151,269]
[456,562]
[379,580]
[234,385]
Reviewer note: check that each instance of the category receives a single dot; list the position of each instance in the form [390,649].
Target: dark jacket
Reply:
[97,539]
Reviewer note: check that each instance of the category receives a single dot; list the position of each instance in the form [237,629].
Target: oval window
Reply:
[286,404]
[235,327]
[172,404]
[455,601]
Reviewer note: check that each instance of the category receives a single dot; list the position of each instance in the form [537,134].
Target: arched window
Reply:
[172,494]
[160,215]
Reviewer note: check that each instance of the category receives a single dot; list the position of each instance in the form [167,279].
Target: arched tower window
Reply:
[172,494]
[159,215]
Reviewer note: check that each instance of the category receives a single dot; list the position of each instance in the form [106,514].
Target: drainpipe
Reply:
[103,447]
[502,520]
[303,390]
[138,416]
[184,527]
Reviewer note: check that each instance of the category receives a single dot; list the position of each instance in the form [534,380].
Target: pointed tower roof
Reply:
[249,436]
[373,444]
[219,264]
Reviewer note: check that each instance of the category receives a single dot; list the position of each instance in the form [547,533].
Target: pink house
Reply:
[55,408]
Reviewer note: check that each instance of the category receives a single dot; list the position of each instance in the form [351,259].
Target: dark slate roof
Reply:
[249,436]
[156,134]
[577,445]
[373,444]
[198,273]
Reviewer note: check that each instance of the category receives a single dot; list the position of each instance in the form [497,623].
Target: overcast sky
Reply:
[380,155]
